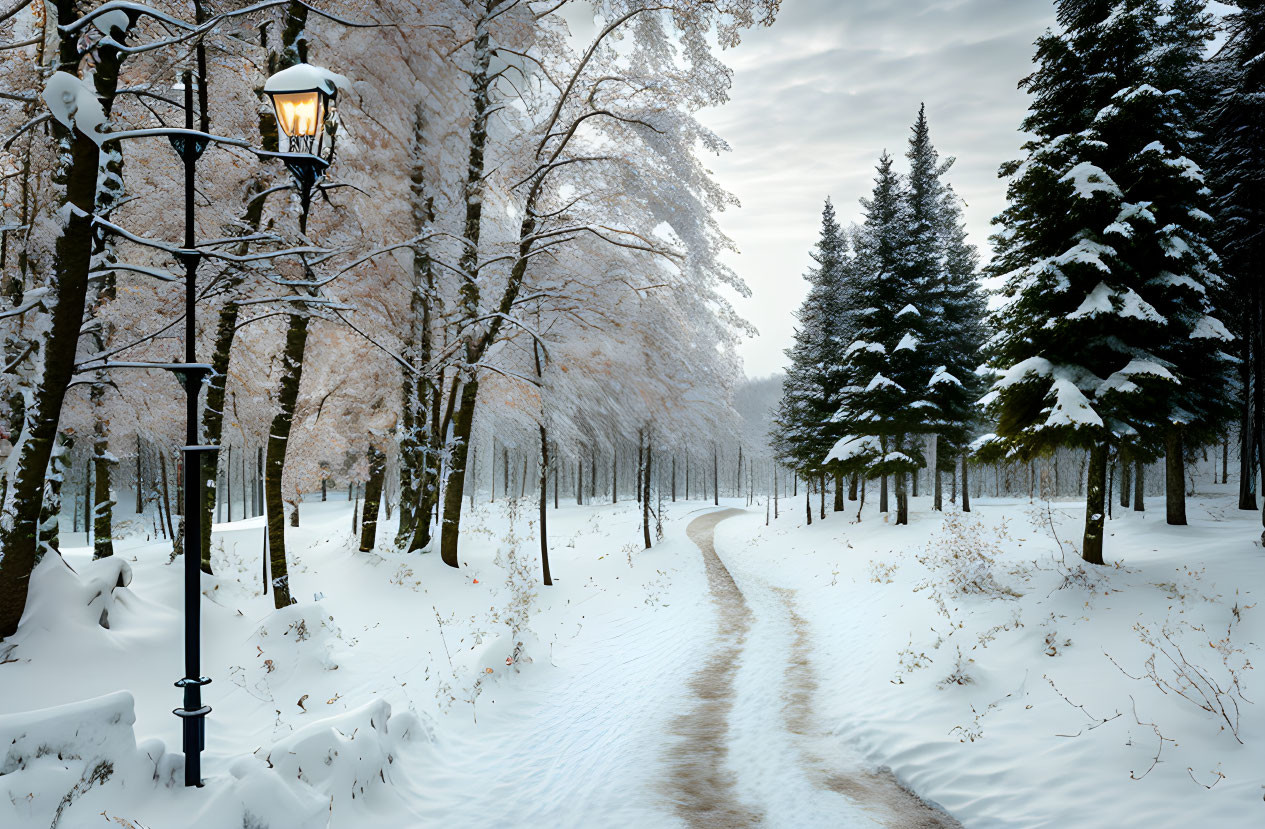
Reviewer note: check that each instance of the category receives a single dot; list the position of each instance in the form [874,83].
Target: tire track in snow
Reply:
[788,758]
[877,791]
[703,790]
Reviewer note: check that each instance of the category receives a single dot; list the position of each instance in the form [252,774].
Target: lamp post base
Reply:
[193,721]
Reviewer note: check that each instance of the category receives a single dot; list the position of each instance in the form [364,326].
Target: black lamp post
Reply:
[193,713]
[301,115]
[301,96]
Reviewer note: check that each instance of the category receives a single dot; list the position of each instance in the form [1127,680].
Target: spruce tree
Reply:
[885,400]
[1236,119]
[1106,265]
[802,430]
[945,284]
[1153,129]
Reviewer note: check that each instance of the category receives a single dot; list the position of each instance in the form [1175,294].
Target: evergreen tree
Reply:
[1236,118]
[1107,335]
[802,430]
[965,310]
[945,282]
[885,401]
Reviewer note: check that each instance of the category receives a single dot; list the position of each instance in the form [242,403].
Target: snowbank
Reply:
[57,756]
[999,677]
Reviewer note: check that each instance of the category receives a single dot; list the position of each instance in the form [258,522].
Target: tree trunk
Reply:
[775,476]
[431,457]
[614,472]
[68,284]
[544,481]
[274,465]
[853,482]
[87,503]
[140,486]
[838,506]
[166,504]
[102,520]
[966,486]
[1095,504]
[882,495]
[416,392]
[808,502]
[715,475]
[259,480]
[454,485]
[242,455]
[1258,389]
[1111,481]
[645,492]
[937,484]
[50,509]
[409,455]
[822,481]
[1126,480]
[674,477]
[902,498]
[470,306]
[1174,478]
[1139,487]
[640,467]
[373,499]
[228,485]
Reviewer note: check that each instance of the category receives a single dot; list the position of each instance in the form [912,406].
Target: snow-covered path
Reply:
[751,751]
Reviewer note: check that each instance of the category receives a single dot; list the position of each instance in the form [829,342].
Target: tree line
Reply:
[1128,322]
[517,237]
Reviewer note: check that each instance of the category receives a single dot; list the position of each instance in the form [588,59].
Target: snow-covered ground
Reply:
[794,676]
[1009,702]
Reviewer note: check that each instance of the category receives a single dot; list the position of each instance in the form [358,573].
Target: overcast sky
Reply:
[819,95]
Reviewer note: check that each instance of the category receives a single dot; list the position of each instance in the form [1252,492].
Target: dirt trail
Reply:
[706,794]
[879,792]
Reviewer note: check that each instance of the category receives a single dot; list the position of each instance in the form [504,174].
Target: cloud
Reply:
[819,95]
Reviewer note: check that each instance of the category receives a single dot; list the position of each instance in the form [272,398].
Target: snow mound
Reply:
[54,756]
[297,641]
[346,755]
[325,769]
[69,600]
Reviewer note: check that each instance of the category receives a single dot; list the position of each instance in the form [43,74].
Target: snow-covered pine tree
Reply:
[1152,136]
[884,400]
[1236,122]
[802,429]
[926,271]
[1089,240]
[965,309]
[944,280]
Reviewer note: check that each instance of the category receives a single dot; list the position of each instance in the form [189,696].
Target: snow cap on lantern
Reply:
[300,97]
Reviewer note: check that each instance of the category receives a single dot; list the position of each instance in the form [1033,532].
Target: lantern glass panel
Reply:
[300,114]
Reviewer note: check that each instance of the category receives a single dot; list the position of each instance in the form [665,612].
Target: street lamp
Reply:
[301,97]
[302,114]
